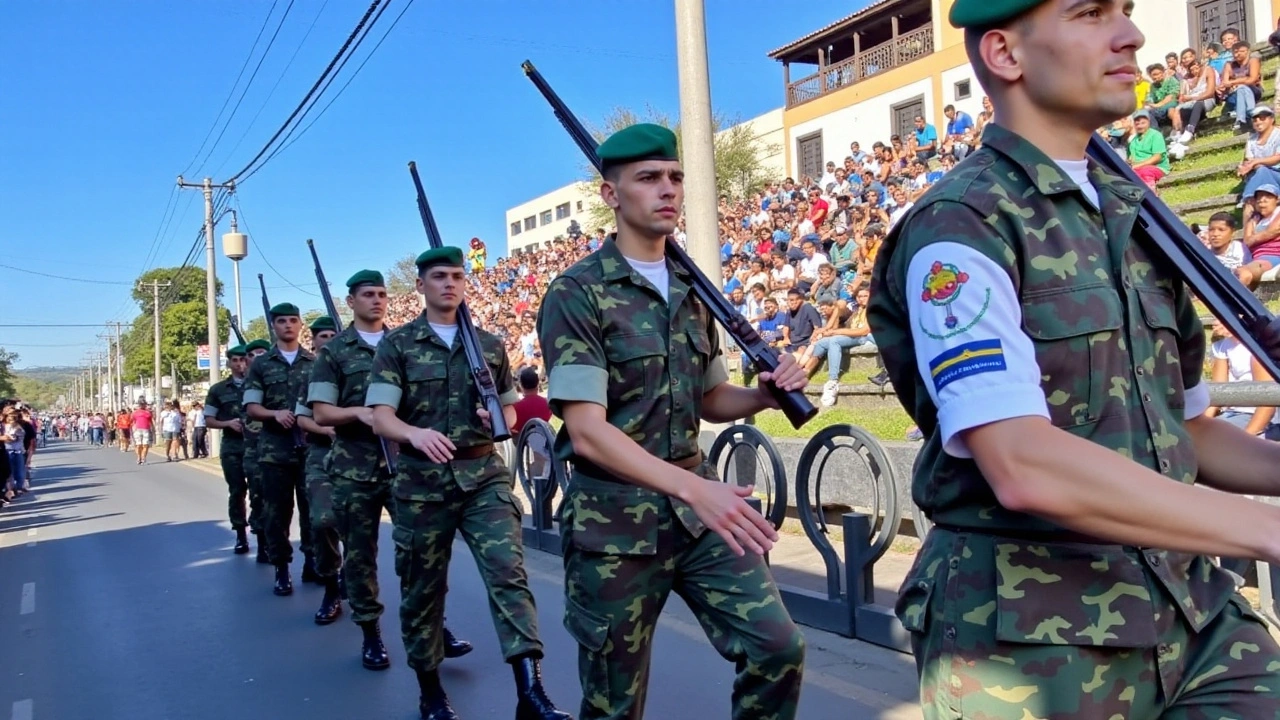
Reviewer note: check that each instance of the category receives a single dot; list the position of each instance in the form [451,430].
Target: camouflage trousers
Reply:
[1007,629]
[489,520]
[253,478]
[617,582]
[359,506]
[324,518]
[237,487]
[282,485]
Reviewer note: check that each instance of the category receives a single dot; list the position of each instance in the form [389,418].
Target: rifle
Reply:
[235,328]
[1226,297]
[299,440]
[466,329]
[388,454]
[795,404]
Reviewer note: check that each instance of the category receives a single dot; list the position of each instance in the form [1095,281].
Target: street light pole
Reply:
[211,271]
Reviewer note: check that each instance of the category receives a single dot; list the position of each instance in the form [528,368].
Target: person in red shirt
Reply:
[532,405]
[817,208]
[142,430]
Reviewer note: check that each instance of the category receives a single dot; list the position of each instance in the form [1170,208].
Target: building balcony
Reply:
[896,52]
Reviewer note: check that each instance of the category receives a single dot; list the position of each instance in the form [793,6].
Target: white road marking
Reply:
[28,599]
[23,710]
[31,537]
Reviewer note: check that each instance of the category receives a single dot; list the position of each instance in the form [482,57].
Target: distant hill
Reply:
[58,375]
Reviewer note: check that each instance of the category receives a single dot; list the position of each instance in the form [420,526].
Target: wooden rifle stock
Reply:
[794,404]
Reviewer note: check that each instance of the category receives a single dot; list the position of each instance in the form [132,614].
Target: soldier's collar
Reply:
[1045,174]
[616,267]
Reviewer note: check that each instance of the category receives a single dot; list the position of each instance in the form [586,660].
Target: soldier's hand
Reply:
[484,419]
[237,425]
[285,418]
[366,416]
[437,446]
[723,508]
[789,376]
[331,432]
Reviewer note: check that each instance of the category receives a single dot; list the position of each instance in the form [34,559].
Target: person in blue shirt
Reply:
[926,139]
[958,123]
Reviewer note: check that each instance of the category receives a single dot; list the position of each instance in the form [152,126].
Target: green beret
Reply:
[284,310]
[366,277]
[322,323]
[644,141]
[448,255]
[258,344]
[237,351]
[989,13]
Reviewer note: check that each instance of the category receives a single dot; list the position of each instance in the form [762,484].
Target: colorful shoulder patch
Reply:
[941,289]
[961,361]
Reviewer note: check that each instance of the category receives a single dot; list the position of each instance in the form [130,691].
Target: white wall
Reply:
[572,193]
[972,104]
[768,130]
[866,122]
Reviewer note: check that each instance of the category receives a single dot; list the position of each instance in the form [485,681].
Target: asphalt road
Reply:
[120,598]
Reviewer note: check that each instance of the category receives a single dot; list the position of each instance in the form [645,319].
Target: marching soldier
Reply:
[635,364]
[1054,361]
[222,408]
[357,467]
[252,470]
[324,525]
[451,479]
[270,396]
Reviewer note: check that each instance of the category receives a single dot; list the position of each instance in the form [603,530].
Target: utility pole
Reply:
[108,403]
[697,133]
[155,312]
[120,371]
[210,269]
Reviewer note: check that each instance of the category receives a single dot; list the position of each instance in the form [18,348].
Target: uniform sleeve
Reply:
[503,380]
[324,380]
[387,377]
[211,402]
[254,392]
[300,408]
[572,346]
[1191,350]
[717,370]
[210,411]
[978,365]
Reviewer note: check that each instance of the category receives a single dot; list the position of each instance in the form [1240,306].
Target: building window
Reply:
[809,152]
[530,223]
[545,219]
[562,211]
[962,90]
[515,228]
[578,206]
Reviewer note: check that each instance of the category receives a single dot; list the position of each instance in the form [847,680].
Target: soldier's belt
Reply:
[590,469]
[474,452]
[1049,536]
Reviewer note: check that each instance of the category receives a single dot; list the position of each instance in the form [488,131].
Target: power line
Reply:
[232,91]
[305,100]
[263,255]
[64,277]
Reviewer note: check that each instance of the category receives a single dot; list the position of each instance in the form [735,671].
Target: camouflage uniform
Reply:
[320,499]
[275,384]
[609,338]
[253,471]
[223,403]
[431,386]
[356,469]
[1012,616]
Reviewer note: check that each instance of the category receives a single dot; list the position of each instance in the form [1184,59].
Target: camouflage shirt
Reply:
[1081,325]
[609,338]
[340,378]
[430,385]
[275,384]
[224,403]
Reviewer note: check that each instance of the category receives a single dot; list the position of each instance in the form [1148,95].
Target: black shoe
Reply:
[309,574]
[453,647]
[262,550]
[284,583]
[331,605]
[374,654]
[242,542]
[881,378]
[533,703]
[434,704]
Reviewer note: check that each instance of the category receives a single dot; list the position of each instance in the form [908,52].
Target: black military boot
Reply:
[533,703]
[331,605]
[374,654]
[284,583]
[453,647]
[262,550]
[242,542]
[434,704]
[309,574]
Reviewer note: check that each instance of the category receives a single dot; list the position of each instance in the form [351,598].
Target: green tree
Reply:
[39,393]
[740,170]
[402,277]
[7,359]
[183,325]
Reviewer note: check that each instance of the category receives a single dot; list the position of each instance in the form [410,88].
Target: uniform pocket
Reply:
[589,629]
[403,540]
[1161,317]
[1072,329]
[1072,594]
[621,521]
[637,362]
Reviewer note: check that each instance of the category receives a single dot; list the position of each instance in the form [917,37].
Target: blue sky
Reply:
[107,101]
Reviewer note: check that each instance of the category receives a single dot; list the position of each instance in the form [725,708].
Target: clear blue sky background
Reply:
[106,102]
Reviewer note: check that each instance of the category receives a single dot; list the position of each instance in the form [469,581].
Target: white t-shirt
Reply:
[447,333]
[197,418]
[655,271]
[1239,365]
[171,421]
[809,266]
[986,371]
[372,338]
[289,355]
[1078,171]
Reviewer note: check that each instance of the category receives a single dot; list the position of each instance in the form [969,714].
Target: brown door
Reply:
[1208,18]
